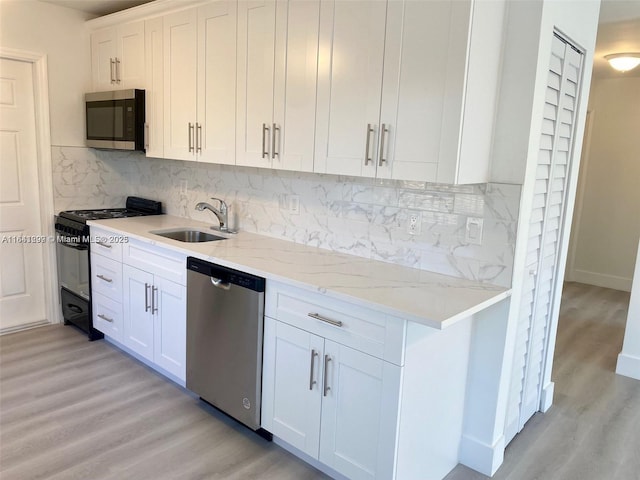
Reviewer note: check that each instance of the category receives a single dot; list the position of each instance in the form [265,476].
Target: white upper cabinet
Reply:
[349,85]
[199,83]
[277,67]
[397,83]
[180,60]
[118,57]
[216,110]
[154,94]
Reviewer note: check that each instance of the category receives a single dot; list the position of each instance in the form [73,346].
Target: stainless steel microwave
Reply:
[115,120]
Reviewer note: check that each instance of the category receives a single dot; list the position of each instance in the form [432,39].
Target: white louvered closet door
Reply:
[545,232]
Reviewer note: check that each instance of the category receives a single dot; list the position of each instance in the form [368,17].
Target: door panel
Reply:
[137,315]
[180,59]
[22,299]
[154,94]
[217,82]
[359,413]
[170,332]
[256,46]
[103,53]
[131,69]
[292,386]
[349,86]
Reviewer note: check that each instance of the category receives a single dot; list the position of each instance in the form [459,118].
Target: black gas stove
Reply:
[73,248]
[74,222]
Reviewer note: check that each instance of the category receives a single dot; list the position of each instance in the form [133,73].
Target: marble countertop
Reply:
[429,298]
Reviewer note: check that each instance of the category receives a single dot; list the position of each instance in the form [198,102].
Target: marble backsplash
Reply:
[363,217]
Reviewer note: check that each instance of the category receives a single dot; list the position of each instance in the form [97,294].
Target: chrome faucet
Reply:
[221,214]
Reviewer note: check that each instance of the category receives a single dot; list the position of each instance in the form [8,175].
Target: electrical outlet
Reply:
[294,204]
[183,188]
[414,223]
[473,232]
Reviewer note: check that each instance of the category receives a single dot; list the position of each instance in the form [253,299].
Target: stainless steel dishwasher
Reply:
[225,323]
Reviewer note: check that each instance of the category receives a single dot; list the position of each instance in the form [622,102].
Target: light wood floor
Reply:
[71,409]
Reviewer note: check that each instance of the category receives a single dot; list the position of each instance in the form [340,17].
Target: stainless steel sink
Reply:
[188,235]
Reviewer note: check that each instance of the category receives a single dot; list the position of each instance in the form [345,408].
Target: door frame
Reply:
[38,63]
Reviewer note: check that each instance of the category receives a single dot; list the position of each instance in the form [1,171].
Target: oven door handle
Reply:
[75,246]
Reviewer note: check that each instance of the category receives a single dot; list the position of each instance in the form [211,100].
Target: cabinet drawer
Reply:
[157,260]
[363,329]
[107,316]
[107,244]
[106,277]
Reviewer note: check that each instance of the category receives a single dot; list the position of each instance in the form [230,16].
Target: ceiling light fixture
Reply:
[623,61]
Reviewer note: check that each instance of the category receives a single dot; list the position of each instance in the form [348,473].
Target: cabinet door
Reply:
[423,87]
[349,86]
[291,385]
[294,95]
[170,340]
[103,57]
[180,84]
[137,315]
[130,68]
[359,413]
[154,94]
[256,37]
[217,82]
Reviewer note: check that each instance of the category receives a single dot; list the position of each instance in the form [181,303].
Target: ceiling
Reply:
[619,29]
[98,8]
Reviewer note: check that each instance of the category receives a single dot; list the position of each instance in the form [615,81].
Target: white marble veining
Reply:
[417,295]
[358,216]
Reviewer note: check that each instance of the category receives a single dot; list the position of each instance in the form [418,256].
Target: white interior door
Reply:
[22,285]
[536,325]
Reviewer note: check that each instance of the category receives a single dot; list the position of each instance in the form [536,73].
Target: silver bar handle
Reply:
[198,137]
[217,282]
[312,382]
[190,137]
[107,319]
[336,323]
[384,129]
[326,386]
[274,153]
[102,244]
[154,307]
[111,65]
[265,142]
[146,297]
[367,158]
[117,70]
[102,277]
[146,136]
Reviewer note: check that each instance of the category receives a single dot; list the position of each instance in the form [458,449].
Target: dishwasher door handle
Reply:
[217,282]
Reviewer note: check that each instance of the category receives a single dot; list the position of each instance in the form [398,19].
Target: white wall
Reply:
[606,226]
[59,33]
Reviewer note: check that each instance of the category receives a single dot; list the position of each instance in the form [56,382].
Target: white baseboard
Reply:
[601,280]
[546,397]
[628,365]
[481,457]
[24,326]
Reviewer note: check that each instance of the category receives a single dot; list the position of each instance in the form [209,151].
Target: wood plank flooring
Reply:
[71,409]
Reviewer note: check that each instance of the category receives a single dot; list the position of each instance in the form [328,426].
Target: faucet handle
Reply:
[223,204]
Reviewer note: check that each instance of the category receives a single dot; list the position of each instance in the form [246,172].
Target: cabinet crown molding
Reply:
[142,12]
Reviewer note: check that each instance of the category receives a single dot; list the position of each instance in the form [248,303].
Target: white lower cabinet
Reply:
[334,403]
[154,313]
